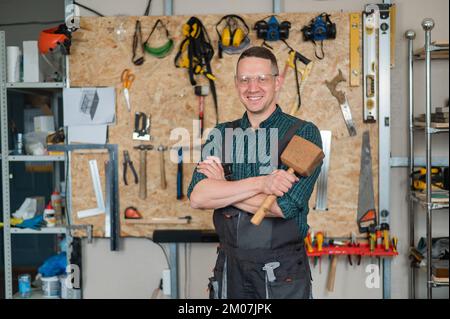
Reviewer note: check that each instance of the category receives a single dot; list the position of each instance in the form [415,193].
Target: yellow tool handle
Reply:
[265,207]
[386,239]
[394,244]
[308,243]
[332,274]
[319,238]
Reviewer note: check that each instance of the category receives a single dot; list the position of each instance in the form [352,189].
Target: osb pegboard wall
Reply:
[98,59]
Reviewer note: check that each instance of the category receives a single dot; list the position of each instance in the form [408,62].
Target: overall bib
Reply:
[259,262]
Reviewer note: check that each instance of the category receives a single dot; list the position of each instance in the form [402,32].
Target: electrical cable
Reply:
[88,9]
[138,57]
[189,270]
[147,10]
[164,251]
[30,23]
[66,187]
[185,270]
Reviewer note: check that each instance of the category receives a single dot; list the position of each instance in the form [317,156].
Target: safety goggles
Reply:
[261,79]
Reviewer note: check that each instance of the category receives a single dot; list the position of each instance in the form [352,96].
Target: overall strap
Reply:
[289,135]
[227,145]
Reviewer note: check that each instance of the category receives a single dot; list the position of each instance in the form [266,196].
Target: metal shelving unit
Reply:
[49,230]
[35,85]
[36,158]
[9,159]
[429,131]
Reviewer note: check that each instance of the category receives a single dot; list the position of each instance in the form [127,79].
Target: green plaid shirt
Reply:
[294,204]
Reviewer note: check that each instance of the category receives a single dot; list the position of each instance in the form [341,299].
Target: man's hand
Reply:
[278,182]
[212,168]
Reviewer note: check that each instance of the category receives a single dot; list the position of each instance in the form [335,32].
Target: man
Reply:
[269,260]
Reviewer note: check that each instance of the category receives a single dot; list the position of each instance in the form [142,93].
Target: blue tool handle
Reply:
[180,174]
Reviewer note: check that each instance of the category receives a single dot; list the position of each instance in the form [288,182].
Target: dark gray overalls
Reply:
[257,262]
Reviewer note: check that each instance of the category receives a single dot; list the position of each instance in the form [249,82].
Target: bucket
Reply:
[66,292]
[51,287]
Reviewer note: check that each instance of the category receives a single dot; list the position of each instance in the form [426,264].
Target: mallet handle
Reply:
[162,170]
[332,274]
[266,205]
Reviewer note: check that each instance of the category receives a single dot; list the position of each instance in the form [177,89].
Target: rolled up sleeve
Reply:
[211,143]
[296,199]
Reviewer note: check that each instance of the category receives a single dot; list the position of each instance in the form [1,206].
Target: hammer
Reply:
[143,169]
[201,92]
[302,157]
[162,168]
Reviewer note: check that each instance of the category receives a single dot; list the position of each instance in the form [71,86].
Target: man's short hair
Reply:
[263,53]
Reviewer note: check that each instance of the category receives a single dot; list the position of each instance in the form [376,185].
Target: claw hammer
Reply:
[143,148]
[161,149]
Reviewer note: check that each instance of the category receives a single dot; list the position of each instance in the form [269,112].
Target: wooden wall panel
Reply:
[164,91]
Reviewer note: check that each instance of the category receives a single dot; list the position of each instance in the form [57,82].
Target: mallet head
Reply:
[302,156]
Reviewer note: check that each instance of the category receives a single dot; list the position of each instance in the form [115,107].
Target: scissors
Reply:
[127,79]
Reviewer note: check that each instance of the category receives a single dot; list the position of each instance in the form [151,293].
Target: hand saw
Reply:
[343,103]
[366,214]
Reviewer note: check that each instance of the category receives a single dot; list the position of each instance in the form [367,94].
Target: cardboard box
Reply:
[45,123]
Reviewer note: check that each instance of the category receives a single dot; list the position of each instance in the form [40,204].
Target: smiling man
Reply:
[269,260]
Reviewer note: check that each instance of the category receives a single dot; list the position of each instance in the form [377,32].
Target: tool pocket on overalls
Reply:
[226,221]
[293,280]
[217,283]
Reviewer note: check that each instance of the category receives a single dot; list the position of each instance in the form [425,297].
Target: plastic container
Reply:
[68,292]
[25,285]
[50,216]
[51,287]
[65,294]
[56,204]
[35,143]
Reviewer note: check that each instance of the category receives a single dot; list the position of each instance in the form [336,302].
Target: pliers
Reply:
[127,162]
[354,243]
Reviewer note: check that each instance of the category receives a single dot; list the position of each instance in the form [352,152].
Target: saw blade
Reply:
[366,214]
[346,112]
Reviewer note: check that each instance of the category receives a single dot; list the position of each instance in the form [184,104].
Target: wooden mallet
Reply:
[302,157]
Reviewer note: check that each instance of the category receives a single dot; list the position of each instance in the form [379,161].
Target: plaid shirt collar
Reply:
[245,122]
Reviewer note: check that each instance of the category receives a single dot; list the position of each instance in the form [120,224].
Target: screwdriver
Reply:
[319,239]
[394,244]
[372,237]
[385,229]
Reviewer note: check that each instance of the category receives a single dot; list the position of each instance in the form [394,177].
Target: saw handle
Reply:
[265,206]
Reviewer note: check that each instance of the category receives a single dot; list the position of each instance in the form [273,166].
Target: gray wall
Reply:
[12,11]
[135,271]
